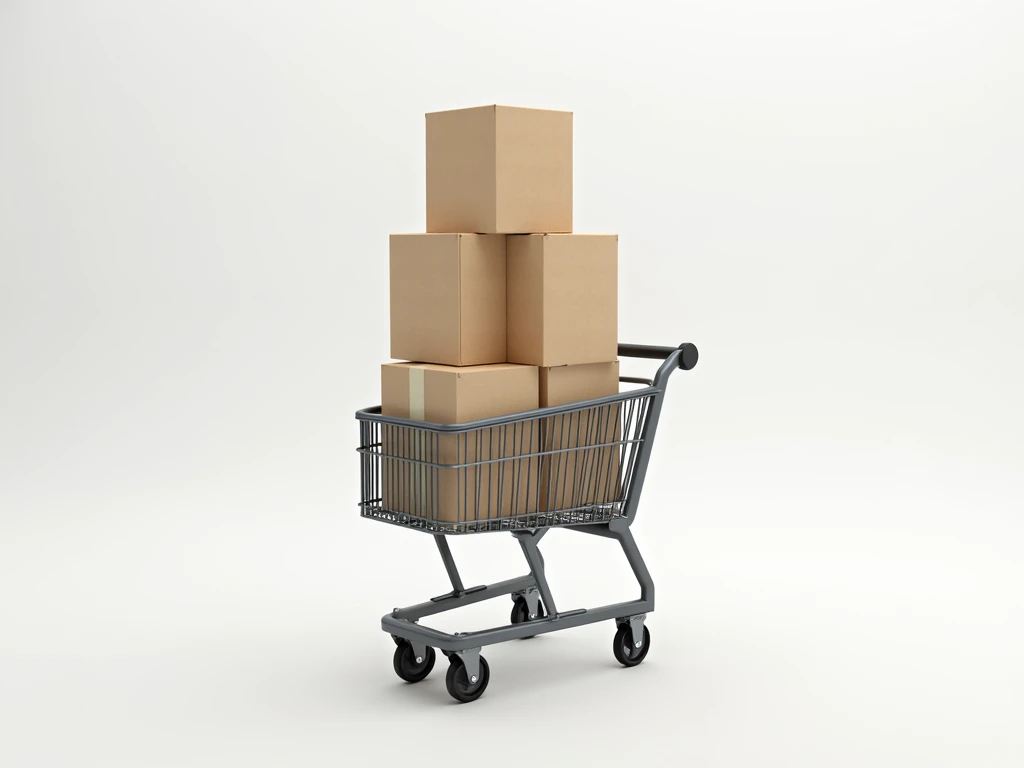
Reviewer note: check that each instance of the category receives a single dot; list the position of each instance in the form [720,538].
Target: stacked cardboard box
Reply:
[501,308]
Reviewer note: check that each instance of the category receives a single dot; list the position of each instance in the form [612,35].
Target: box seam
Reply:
[458,289]
[494,146]
[543,302]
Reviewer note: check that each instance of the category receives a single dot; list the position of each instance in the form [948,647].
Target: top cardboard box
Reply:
[499,170]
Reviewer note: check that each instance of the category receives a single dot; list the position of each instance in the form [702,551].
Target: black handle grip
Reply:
[687,360]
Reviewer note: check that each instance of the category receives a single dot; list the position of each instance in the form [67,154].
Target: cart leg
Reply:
[619,530]
[528,541]
[449,565]
[623,535]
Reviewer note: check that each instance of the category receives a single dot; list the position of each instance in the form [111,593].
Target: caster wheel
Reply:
[626,652]
[458,683]
[521,613]
[408,667]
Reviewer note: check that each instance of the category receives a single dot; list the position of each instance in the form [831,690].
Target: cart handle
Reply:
[687,353]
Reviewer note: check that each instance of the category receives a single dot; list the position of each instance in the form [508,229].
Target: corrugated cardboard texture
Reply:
[461,171]
[448,298]
[534,170]
[451,396]
[562,299]
[457,394]
[572,383]
[579,478]
[499,169]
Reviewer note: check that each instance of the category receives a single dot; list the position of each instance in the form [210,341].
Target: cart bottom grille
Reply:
[595,513]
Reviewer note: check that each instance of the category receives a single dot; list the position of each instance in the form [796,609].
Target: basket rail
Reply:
[682,357]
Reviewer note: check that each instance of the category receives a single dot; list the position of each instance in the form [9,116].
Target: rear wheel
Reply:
[408,666]
[521,612]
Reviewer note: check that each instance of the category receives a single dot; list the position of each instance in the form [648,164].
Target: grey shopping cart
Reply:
[579,466]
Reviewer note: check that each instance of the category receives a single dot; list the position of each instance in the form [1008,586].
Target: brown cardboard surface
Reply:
[448,298]
[452,395]
[571,383]
[499,169]
[457,394]
[562,299]
[578,478]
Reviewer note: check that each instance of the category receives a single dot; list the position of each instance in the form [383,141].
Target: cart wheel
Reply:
[626,653]
[458,684]
[521,613]
[406,665]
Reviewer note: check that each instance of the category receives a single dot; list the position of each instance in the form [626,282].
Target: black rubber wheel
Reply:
[626,653]
[458,684]
[406,666]
[521,613]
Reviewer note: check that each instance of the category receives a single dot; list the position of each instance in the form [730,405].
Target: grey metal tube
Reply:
[467,640]
[619,530]
[448,602]
[636,562]
[449,564]
[686,360]
[529,545]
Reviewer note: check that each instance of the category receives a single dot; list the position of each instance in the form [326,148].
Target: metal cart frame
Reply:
[535,610]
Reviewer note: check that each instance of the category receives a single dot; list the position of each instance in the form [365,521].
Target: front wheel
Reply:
[626,651]
[460,687]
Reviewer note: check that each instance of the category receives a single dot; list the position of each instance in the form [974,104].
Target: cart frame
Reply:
[463,649]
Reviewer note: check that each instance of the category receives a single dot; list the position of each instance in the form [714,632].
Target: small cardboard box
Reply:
[448,298]
[499,170]
[581,476]
[571,383]
[562,299]
[504,485]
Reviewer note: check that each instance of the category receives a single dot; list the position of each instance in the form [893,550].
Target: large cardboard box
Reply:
[504,485]
[580,462]
[499,169]
[448,298]
[562,299]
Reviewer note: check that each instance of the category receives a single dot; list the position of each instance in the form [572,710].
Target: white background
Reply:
[826,197]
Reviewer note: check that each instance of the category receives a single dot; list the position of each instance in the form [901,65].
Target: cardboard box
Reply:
[571,383]
[584,475]
[499,169]
[448,298]
[562,299]
[506,485]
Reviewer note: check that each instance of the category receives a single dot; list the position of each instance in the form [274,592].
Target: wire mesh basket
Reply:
[566,465]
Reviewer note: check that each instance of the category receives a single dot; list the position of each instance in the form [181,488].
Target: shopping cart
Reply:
[579,466]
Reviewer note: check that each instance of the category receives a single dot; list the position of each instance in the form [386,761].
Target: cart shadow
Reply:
[550,663]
